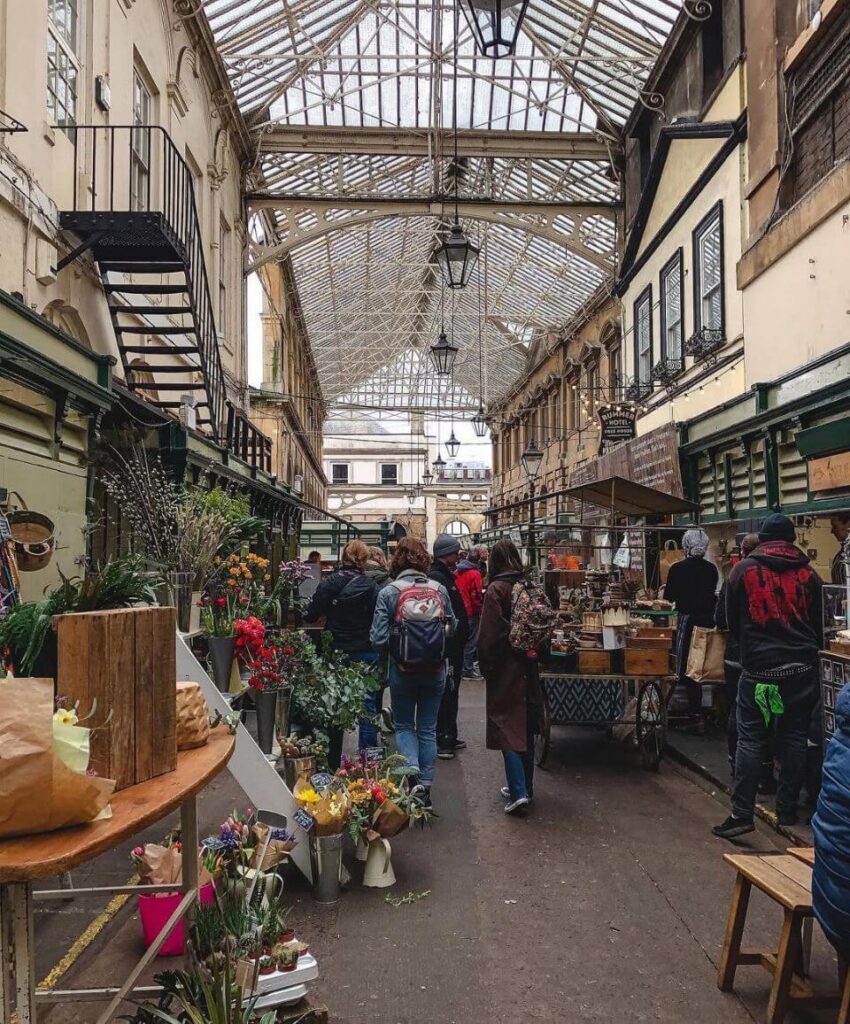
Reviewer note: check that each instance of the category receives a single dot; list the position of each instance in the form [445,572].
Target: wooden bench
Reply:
[787,879]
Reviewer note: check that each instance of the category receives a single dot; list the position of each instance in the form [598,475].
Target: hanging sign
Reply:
[618,426]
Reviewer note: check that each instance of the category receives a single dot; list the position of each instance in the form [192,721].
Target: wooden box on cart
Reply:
[124,659]
[594,662]
[655,632]
[649,643]
[639,661]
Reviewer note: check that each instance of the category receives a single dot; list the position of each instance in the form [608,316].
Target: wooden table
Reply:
[804,853]
[29,858]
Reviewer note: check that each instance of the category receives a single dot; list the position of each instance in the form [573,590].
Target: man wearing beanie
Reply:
[774,612]
[446,555]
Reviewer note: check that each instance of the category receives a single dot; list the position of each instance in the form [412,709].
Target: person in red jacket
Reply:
[470,586]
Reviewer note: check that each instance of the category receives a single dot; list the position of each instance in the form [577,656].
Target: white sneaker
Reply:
[516,805]
[505,793]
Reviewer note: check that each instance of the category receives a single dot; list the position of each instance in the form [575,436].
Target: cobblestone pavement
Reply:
[607,903]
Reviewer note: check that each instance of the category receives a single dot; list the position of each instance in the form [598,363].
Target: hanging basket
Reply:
[34,537]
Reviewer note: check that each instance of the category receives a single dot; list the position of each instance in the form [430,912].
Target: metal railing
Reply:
[137,169]
[247,441]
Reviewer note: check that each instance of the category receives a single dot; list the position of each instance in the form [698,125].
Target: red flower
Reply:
[221,601]
[289,651]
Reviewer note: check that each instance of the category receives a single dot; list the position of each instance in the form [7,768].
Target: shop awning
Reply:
[629,498]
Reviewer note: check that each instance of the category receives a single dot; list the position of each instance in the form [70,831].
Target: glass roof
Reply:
[314,77]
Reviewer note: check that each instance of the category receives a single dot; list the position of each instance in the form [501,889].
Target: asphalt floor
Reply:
[607,902]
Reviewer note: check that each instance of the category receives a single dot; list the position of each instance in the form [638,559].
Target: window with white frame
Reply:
[63,66]
[643,338]
[339,473]
[708,272]
[389,474]
[457,528]
[140,148]
[672,319]
[223,271]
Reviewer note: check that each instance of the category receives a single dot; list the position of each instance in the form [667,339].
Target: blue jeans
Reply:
[519,767]
[416,702]
[368,731]
[470,651]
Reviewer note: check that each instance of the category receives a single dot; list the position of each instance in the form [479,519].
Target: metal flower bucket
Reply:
[326,863]
[34,537]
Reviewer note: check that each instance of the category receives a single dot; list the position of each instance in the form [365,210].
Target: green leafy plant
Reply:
[332,692]
[206,998]
[118,584]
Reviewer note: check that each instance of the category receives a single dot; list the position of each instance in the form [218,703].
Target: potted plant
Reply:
[266,965]
[218,616]
[288,959]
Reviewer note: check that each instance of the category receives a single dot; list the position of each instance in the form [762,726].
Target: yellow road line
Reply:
[85,939]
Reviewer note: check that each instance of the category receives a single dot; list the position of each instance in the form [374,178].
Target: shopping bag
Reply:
[706,656]
[39,791]
[668,556]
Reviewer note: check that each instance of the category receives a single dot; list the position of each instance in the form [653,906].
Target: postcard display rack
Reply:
[835,657]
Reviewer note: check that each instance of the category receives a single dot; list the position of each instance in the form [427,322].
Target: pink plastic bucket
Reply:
[154,912]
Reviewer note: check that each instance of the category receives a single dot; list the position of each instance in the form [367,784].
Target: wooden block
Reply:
[164,709]
[120,658]
[144,697]
[594,662]
[638,662]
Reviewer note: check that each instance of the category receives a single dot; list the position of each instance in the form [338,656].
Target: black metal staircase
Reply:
[134,208]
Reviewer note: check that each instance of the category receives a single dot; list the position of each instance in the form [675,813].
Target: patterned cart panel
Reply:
[587,701]
[834,673]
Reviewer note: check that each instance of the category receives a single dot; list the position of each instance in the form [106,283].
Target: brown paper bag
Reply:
[388,821]
[706,656]
[38,793]
[668,556]
[276,853]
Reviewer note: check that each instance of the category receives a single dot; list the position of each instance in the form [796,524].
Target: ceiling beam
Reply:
[435,207]
[506,144]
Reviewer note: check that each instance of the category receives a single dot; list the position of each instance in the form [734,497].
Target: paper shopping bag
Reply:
[706,656]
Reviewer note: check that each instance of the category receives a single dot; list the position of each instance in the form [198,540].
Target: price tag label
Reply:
[321,780]
[374,754]
[305,820]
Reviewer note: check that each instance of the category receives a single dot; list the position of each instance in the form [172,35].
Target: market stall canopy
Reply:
[630,498]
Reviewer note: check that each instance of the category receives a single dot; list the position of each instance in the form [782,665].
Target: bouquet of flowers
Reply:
[219,612]
[382,801]
[309,745]
[242,844]
[162,863]
[330,808]
[332,691]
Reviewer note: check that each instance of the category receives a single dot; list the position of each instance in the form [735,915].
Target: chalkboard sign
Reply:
[321,780]
[374,754]
[302,818]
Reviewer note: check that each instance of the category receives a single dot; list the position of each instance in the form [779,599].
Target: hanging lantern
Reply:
[439,465]
[495,24]
[427,477]
[479,422]
[457,257]
[452,446]
[532,460]
[411,496]
[417,490]
[443,356]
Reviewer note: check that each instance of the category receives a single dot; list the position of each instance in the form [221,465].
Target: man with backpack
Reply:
[347,601]
[414,623]
[446,557]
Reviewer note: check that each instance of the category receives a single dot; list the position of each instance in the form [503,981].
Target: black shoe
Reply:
[446,753]
[460,744]
[423,792]
[787,818]
[469,675]
[733,827]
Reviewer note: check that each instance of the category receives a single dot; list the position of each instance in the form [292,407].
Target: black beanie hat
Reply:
[777,527]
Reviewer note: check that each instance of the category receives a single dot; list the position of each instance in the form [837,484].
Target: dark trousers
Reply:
[792,729]
[447,717]
[733,677]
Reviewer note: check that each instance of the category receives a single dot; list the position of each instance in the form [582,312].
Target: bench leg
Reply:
[786,960]
[734,934]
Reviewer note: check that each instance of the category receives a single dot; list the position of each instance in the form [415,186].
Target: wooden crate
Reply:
[594,661]
[649,643]
[126,660]
[646,662]
[664,632]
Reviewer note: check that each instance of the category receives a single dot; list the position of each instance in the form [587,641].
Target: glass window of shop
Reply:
[63,66]
[708,263]
[672,329]
[643,337]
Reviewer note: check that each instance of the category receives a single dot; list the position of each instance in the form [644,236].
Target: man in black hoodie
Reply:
[774,613]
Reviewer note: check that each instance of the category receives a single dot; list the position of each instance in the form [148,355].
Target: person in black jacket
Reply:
[732,670]
[347,601]
[446,555]
[774,611]
[691,586]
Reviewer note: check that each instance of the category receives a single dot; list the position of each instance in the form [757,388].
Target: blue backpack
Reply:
[418,632]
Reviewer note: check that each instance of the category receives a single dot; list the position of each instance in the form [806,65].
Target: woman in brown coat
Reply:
[513,697]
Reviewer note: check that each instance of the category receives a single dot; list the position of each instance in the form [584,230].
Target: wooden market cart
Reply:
[633,702]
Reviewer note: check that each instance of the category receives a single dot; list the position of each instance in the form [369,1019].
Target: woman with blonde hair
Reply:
[347,599]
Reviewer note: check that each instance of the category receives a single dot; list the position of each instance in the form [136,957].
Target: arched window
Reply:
[457,528]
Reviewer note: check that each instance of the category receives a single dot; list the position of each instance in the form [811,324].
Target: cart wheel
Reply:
[543,739]
[651,725]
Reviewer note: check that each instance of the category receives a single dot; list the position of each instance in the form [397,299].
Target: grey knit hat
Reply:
[445,544]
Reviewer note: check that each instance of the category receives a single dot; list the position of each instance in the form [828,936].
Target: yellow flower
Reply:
[308,796]
[66,716]
[267,577]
